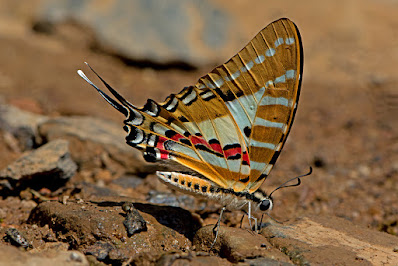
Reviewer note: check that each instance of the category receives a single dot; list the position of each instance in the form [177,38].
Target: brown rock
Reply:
[237,244]
[97,228]
[332,241]
[191,258]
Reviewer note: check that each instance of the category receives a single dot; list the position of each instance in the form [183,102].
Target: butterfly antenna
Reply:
[275,220]
[122,106]
[290,180]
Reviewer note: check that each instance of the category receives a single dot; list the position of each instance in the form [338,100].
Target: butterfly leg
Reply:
[249,214]
[217,226]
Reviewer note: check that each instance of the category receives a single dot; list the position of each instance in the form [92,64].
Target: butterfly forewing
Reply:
[260,87]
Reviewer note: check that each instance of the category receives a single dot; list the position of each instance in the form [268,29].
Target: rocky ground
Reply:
[73,193]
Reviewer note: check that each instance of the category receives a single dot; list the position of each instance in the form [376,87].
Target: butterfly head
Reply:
[265,205]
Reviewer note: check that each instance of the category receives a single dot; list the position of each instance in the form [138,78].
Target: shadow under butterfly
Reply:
[227,131]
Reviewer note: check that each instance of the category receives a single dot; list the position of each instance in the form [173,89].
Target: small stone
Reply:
[74,256]
[100,250]
[46,165]
[134,222]
[16,238]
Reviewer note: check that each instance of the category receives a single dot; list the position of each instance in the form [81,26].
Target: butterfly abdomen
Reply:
[188,183]
[198,186]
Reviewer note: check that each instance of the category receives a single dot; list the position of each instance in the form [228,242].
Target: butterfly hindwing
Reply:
[260,87]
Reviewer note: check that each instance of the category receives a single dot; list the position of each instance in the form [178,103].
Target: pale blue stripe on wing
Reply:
[257,165]
[247,67]
[278,42]
[289,41]
[266,123]
[270,52]
[290,74]
[256,143]
[269,100]
[233,76]
[280,79]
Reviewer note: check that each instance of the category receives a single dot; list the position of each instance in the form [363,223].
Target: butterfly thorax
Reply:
[199,186]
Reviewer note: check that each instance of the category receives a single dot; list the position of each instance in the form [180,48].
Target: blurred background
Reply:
[346,126]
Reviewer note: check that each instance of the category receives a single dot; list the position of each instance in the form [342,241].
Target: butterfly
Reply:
[225,133]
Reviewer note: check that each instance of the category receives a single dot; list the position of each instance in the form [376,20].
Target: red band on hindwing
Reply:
[164,154]
[233,151]
[245,158]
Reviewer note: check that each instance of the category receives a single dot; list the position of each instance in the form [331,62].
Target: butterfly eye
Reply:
[265,205]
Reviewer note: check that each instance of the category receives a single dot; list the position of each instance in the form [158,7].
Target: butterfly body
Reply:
[228,198]
[227,130]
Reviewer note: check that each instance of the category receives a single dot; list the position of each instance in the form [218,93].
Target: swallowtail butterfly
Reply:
[227,131]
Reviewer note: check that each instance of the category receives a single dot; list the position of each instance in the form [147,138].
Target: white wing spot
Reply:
[259,59]
[153,109]
[219,83]
[151,140]
[233,76]
[289,41]
[138,118]
[290,74]
[207,95]
[173,103]
[270,52]
[139,137]
[278,42]
[210,85]
[280,79]
[247,67]
[189,98]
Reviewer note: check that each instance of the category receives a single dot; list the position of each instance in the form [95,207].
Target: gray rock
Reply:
[128,181]
[94,142]
[21,124]
[192,32]
[85,128]
[48,163]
